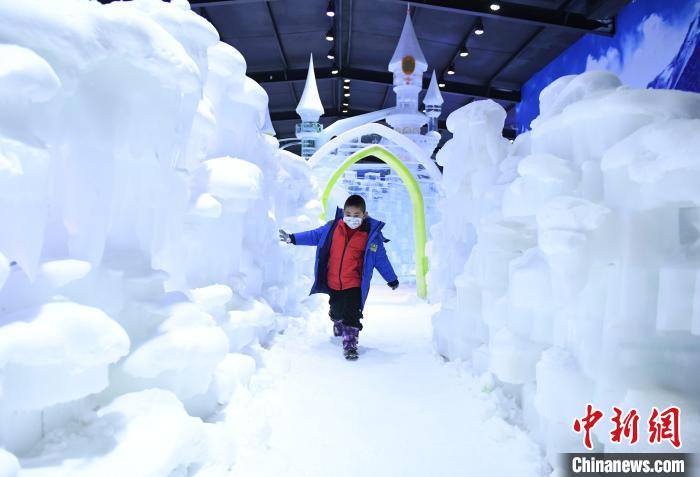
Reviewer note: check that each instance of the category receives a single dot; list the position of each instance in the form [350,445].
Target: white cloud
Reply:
[610,61]
[644,53]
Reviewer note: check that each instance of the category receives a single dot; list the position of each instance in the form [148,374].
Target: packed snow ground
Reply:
[399,410]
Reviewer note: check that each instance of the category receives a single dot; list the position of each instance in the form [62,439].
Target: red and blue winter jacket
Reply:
[347,256]
[373,256]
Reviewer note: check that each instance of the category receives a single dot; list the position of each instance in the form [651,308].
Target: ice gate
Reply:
[409,174]
[406,174]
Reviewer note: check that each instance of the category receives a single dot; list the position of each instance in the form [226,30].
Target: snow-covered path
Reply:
[397,411]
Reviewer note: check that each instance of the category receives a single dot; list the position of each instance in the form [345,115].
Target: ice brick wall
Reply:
[568,263]
[139,203]
[388,200]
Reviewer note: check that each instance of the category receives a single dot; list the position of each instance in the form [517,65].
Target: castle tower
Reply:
[408,65]
[309,109]
[433,103]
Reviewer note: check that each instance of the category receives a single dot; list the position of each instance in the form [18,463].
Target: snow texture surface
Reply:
[398,410]
[568,262]
[139,263]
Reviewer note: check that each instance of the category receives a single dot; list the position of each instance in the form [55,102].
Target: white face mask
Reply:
[352,222]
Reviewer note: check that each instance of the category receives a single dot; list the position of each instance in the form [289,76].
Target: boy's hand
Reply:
[285,237]
[394,285]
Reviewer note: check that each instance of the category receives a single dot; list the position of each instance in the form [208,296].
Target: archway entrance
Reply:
[416,200]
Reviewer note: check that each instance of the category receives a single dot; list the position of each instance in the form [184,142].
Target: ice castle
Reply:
[407,174]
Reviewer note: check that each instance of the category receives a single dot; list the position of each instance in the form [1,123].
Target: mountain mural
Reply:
[656,45]
[684,71]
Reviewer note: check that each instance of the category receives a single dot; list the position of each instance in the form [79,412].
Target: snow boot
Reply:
[350,335]
[337,325]
[337,328]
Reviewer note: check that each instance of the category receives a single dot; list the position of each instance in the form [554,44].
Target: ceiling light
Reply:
[347,95]
[463,52]
[495,7]
[441,84]
[330,11]
[479,27]
[451,69]
[334,69]
[345,110]
[346,80]
[330,34]
[346,104]
[331,54]
[346,86]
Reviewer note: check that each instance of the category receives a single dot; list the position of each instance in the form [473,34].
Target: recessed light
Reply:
[346,86]
[346,80]
[495,7]
[479,27]
[347,95]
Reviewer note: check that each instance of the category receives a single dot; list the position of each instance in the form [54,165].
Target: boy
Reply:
[348,249]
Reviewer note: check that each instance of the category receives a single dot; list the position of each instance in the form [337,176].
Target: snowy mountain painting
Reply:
[656,46]
[684,71]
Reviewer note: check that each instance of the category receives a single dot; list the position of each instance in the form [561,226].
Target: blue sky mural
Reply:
[656,45]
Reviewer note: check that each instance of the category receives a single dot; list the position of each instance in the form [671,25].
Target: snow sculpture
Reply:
[140,197]
[433,104]
[309,110]
[570,268]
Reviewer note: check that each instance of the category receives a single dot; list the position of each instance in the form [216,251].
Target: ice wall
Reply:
[139,202]
[569,262]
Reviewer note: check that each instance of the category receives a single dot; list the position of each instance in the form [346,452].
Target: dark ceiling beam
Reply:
[442,75]
[478,91]
[387,78]
[350,27]
[518,13]
[285,116]
[515,54]
[526,44]
[280,48]
[220,3]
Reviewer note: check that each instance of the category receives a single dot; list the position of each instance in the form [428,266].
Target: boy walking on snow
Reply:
[348,249]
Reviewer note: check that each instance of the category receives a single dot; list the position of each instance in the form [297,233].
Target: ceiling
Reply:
[277,36]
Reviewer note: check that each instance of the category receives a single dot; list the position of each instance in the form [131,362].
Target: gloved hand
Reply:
[394,285]
[285,237]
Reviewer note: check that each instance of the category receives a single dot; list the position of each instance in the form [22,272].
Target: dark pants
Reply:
[345,306]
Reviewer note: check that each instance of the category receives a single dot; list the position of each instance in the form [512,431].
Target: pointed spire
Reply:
[310,107]
[433,97]
[408,46]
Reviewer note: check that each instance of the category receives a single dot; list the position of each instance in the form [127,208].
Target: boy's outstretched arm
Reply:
[383,265]
[310,237]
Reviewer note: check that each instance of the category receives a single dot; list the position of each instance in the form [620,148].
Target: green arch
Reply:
[416,200]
